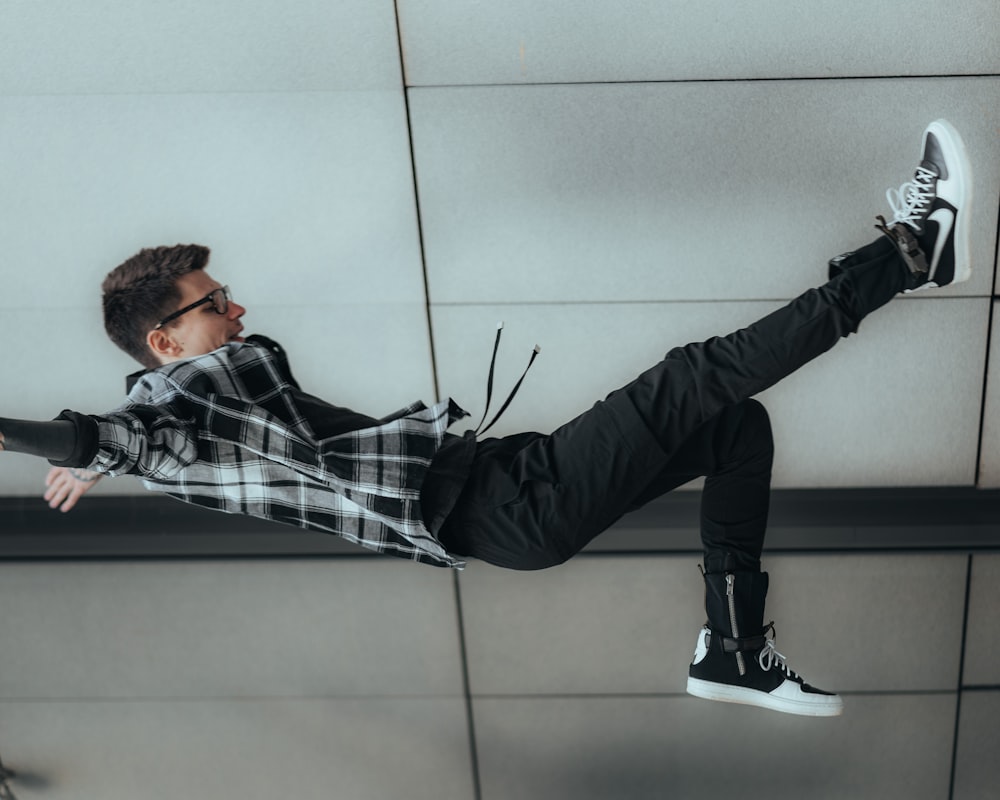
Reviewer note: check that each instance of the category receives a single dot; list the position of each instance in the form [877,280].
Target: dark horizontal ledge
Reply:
[802,521]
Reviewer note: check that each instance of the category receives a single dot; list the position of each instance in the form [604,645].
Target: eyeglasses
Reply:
[219,298]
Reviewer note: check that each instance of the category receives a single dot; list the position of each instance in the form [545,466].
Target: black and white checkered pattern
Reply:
[223,431]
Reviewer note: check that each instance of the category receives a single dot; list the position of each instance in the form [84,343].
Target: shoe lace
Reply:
[911,202]
[768,657]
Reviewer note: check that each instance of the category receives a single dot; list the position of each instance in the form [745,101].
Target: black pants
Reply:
[533,500]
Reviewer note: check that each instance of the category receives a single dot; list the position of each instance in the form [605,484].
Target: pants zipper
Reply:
[730,581]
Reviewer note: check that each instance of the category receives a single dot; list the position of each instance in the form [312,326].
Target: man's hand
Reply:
[66,486]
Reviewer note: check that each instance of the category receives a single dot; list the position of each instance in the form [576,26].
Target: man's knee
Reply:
[747,434]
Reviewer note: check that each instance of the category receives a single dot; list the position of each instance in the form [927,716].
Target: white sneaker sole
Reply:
[822,706]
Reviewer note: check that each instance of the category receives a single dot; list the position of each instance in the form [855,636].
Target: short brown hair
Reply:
[140,292]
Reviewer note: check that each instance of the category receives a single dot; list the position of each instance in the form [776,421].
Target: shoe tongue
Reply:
[930,166]
[934,155]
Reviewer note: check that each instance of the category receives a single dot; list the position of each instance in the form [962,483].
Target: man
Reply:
[219,421]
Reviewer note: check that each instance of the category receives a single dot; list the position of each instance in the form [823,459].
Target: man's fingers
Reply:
[57,494]
[71,501]
[60,487]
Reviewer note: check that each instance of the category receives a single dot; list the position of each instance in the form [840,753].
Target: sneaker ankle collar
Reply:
[907,245]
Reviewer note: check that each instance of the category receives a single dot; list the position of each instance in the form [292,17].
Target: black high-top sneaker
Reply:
[931,214]
[735,661]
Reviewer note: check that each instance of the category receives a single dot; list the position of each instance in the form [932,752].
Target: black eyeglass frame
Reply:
[208,298]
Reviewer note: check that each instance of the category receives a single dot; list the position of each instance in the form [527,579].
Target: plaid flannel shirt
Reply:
[222,431]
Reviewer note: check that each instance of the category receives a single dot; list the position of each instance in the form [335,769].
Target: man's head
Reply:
[152,286]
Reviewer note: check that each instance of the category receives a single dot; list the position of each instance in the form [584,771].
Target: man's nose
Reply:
[236,310]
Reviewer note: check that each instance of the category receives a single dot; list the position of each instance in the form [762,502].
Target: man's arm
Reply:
[54,440]
[149,440]
[155,441]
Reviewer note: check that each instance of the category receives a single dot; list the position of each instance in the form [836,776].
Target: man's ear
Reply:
[162,344]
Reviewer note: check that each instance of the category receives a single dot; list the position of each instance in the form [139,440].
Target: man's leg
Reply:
[926,245]
[693,383]
[734,451]
[533,501]
[537,500]
[550,495]
[733,659]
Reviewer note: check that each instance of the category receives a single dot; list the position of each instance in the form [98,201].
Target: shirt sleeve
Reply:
[153,441]
[85,444]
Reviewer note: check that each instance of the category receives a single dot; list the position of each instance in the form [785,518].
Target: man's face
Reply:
[201,330]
